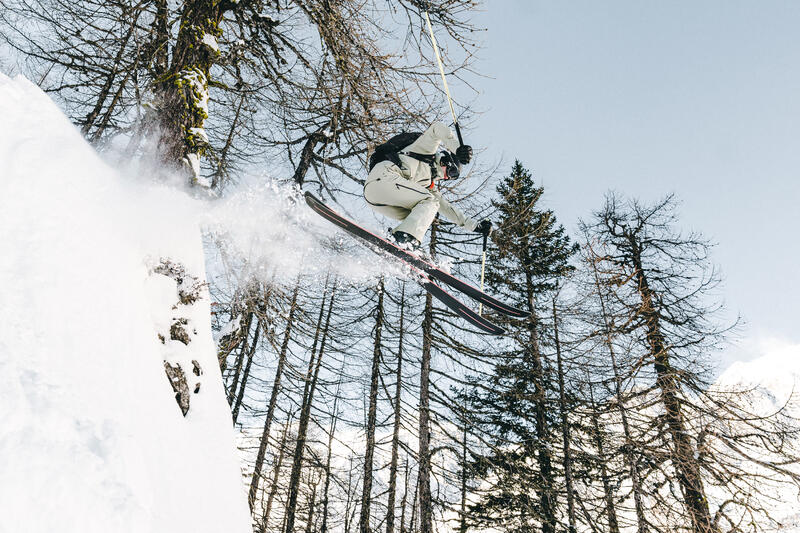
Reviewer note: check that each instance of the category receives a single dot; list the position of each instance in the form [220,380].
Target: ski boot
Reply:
[410,244]
[406,241]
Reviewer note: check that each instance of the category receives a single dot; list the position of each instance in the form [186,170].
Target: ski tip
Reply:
[513,312]
[496,331]
[490,327]
[507,310]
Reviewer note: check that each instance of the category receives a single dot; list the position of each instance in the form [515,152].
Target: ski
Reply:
[431,270]
[459,308]
[423,277]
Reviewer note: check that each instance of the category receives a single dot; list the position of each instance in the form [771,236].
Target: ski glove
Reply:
[464,154]
[484,227]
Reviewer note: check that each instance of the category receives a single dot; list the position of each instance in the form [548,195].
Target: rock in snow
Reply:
[91,437]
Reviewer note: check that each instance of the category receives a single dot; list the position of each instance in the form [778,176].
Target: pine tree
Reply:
[532,253]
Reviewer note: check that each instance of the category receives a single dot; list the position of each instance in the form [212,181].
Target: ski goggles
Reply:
[451,168]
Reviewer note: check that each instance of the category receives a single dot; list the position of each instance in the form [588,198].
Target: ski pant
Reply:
[392,195]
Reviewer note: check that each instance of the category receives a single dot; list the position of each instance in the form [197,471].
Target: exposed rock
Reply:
[177,331]
[178,381]
[189,287]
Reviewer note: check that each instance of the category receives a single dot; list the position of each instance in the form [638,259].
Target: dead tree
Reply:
[311,378]
[263,520]
[398,390]
[661,279]
[273,398]
[607,330]
[369,452]
[328,470]
[565,423]
[424,451]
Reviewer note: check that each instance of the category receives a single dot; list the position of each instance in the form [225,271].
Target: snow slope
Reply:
[775,376]
[777,371]
[91,436]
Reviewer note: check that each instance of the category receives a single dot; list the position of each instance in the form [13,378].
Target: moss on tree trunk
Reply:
[183,89]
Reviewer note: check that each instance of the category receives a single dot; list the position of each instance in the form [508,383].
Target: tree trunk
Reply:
[629,441]
[349,500]
[183,89]
[101,127]
[273,398]
[414,508]
[565,433]
[424,471]
[260,309]
[545,489]
[307,154]
[234,384]
[608,493]
[369,453]
[331,432]
[243,385]
[683,454]
[314,364]
[273,490]
[462,527]
[404,500]
[161,41]
[105,91]
[222,171]
[311,505]
[229,343]
[398,391]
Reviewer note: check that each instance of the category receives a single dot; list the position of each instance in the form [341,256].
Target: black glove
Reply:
[464,154]
[484,227]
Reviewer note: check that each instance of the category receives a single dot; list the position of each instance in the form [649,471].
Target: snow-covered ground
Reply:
[91,436]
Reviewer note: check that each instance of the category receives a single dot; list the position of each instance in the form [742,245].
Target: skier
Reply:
[402,182]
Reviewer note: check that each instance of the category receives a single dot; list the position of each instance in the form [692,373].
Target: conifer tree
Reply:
[532,253]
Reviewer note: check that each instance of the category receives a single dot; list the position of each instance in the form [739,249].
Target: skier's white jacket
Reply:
[409,193]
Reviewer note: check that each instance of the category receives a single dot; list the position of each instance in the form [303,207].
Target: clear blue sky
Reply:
[647,98]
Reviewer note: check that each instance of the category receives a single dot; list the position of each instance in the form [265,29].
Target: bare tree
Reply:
[311,380]
[273,398]
[369,451]
[314,83]
[662,280]
[398,390]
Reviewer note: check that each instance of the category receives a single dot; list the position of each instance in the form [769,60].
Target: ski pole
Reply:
[483,269]
[444,79]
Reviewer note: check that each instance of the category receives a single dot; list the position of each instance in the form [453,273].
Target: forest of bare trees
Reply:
[369,407]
